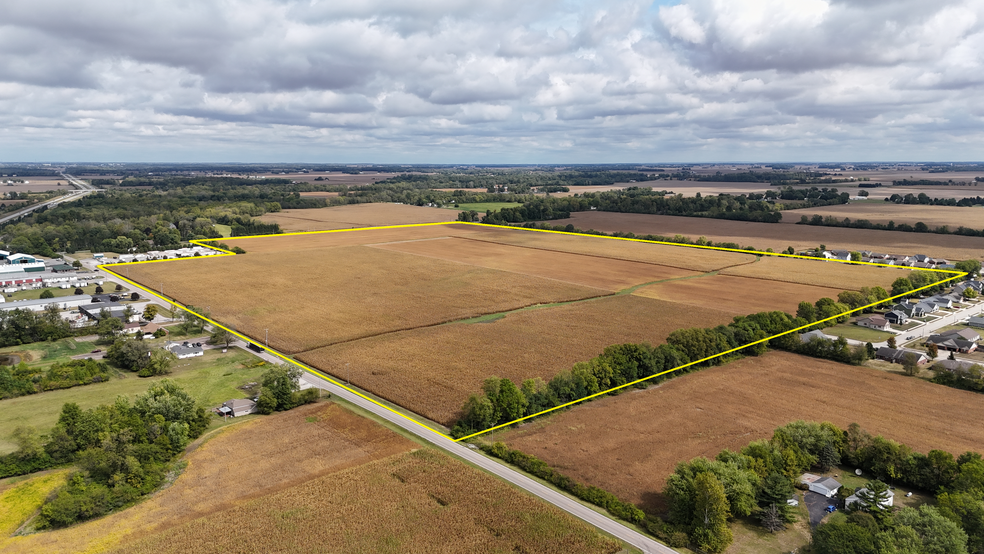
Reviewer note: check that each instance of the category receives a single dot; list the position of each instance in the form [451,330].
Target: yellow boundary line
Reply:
[956,275]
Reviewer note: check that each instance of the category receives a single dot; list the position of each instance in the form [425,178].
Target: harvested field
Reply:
[779,236]
[630,443]
[242,462]
[610,274]
[341,294]
[422,501]
[356,215]
[319,194]
[694,259]
[933,216]
[450,362]
[836,275]
[318,241]
[333,177]
[719,292]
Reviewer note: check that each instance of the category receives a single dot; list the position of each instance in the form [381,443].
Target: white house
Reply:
[826,486]
[887,503]
[874,322]
[186,350]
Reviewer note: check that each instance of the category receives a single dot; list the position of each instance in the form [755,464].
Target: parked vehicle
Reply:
[830,509]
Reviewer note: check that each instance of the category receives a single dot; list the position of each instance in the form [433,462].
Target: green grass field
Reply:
[210,379]
[482,207]
[46,353]
[851,331]
[224,230]
[751,538]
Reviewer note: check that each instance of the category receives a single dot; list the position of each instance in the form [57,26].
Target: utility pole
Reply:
[266,341]
[346,374]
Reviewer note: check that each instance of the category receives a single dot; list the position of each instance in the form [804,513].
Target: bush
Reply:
[47,294]
[306,396]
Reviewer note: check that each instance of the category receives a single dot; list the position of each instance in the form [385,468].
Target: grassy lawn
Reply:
[907,326]
[210,379]
[851,331]
[224,230]
[751,538]
[45,353]
[482,207]
[846,477]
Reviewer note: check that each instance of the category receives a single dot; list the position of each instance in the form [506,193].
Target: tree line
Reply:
[22,380]
[919,227]
[501,401]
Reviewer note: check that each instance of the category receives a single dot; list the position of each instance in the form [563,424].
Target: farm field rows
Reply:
[450,362]
[310,476]
[883,212]
[391,309]
[629,444]
[355,215]
[779,236]
[718,292]
[346,293]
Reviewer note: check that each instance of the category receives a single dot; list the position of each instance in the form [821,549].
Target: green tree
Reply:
[109,328]
[910,364]
[971,267]
[936,534]
[790,250]
[77,264]
[855,256]
[828,457]
[873,499]
[159,363]
[150,312]
[128,353]
[282,382]
[892,343]
[932,350]
[853,299]
[843,538]
[266,403]
[807,312]
[967,511]
[969,293]
[29,442]
[221,336]
[775,490]
[901,286]
[709,529]
[46,293]
[479,413]
[511,402]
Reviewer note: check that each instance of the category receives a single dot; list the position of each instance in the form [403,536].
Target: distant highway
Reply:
[81,189]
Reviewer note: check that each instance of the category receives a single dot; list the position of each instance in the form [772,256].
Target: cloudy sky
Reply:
[495,81]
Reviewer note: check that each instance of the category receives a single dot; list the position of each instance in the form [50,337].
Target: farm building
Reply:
[896,317]
[185,350]
[875,322]
[887,503]
[238,407]
[115,309]
[897,355]
[62,303]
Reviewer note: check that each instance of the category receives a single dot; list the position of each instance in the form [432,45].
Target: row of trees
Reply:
[924,199]
[919,227]
[22,326]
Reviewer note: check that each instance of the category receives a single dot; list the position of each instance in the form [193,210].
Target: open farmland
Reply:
[718,292]
[838,275]
[451,361]
[243,461]
[933,216]
[416,502]
[779,236]
[629,444]
[608,274]
[352,216]
[34,184]
[345,293]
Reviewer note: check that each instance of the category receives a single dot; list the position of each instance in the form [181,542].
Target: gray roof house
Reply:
[897,355]
[238,407]
[827,486]
[897,317]
[874,322]
[976,322]
[816,333]
[186,350]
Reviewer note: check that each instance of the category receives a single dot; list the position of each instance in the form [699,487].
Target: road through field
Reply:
[506,473]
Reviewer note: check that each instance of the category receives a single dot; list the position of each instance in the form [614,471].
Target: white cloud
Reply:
[497,81]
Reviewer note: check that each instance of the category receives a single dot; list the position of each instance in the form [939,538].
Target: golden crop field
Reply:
[356,215]
[317,298]
[718,292]
[933,216]
[779,236]
[837,275]
[421,501]
[629,444]
[609,274]
[432,371]
[243,461]
[20,498]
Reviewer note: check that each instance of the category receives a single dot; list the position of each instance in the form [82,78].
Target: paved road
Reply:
[81,189]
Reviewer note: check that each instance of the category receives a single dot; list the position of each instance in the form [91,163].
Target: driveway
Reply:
[816,503]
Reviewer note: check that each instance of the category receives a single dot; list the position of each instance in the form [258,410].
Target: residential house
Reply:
[826,486]
[814,334]
[874,322]
[976,322]
[837,255]
[897,355]
[853,499]
[896,317]
[185,350]
[954,366]
[238,407]
[952,343]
